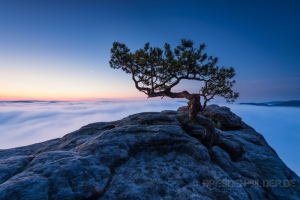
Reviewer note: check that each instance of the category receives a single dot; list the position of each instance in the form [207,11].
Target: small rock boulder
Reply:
[222,114]
[228,119]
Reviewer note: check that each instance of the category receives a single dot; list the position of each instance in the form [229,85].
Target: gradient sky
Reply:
[59,49]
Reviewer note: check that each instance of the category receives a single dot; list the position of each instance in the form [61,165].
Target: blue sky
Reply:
[60,49]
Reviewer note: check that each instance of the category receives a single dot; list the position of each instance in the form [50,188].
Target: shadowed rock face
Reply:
[150,156]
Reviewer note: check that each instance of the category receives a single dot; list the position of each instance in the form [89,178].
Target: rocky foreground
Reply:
[158,155]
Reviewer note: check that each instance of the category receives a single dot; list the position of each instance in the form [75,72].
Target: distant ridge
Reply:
[29,101]
[293,103]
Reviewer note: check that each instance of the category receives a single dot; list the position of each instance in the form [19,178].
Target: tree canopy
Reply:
[156,71]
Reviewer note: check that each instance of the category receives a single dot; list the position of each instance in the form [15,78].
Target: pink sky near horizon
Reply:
[59,50]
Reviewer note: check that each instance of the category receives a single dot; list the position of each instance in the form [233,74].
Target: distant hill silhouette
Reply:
[30,101]
[293,103]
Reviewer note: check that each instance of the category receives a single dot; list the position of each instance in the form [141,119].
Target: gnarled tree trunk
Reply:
[194,107]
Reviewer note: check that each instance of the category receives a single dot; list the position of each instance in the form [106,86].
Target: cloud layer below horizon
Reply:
[27,123]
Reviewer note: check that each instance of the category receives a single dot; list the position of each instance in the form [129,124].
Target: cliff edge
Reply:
[153,155]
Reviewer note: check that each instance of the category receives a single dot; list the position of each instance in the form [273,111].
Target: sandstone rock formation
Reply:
[150,156]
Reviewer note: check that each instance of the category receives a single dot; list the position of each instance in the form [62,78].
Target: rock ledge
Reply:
[153,155]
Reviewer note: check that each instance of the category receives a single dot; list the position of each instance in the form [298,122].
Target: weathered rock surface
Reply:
[150,156]
[228,120]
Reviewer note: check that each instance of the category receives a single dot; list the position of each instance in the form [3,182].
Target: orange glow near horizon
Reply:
[23,98]
[12,97]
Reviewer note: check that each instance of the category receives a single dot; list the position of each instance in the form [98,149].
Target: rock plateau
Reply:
[153,155]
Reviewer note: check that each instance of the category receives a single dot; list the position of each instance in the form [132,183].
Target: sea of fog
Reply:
[26,123]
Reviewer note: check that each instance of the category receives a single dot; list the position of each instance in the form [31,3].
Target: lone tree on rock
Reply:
[156,71]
